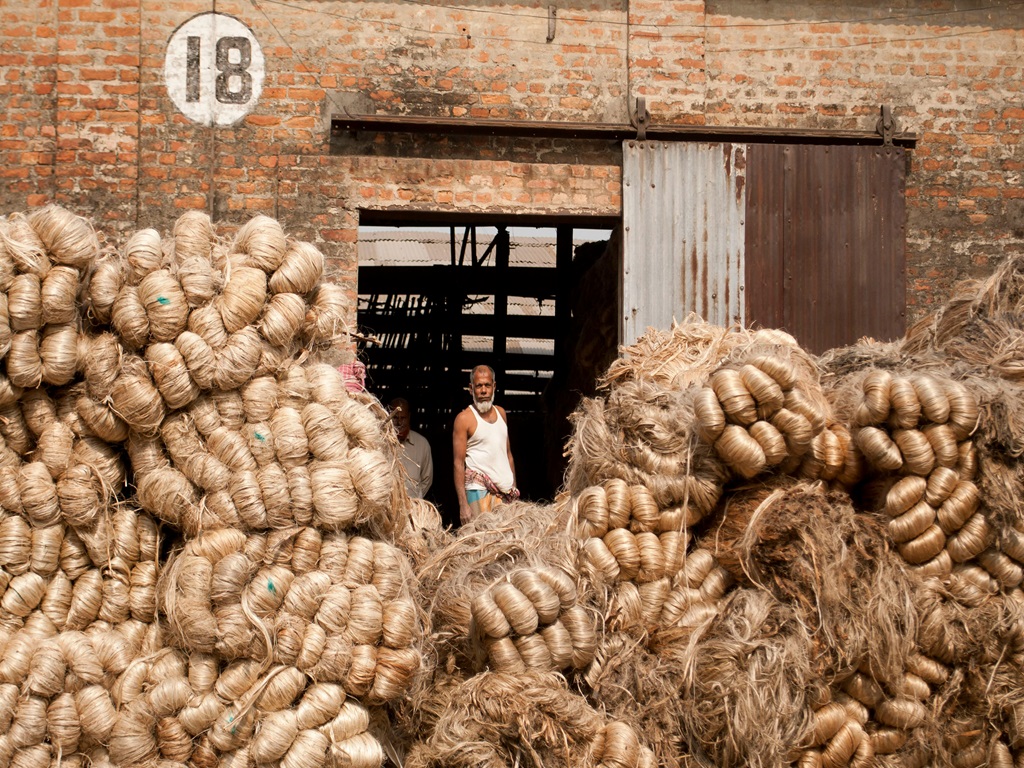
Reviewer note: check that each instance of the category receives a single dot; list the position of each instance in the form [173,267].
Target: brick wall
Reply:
[88,121]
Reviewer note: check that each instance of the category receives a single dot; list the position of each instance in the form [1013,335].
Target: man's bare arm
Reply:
[460,437]
[508,445]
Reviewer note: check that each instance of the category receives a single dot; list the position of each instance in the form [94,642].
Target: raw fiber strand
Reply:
[300,270]
[597,452]
[831,566]
[128,317]
[7,267]
[194,235]
[263,241]
[164,302]
[625,672]
[749,678]
[499,721]
[198,280]
[59,295]
[143,253]
[325,318]
[104,285]
[25,303]
[686,354]
[243,297]
[486,551]
[994,692]
[24,246]
[960,624]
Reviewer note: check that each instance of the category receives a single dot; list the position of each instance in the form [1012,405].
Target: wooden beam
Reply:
[563,284]
[616,132]
[415,359]
[531,282]
[501,267]
[514,326]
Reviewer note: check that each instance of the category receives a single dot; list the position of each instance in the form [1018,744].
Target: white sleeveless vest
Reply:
[487,452]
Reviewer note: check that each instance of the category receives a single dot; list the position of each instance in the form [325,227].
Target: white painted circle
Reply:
[214,69]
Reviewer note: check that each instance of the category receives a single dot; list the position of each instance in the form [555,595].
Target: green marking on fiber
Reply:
[260,437]
[270,586]
[163,300]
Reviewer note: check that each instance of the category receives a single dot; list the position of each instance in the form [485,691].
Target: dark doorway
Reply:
[437,300]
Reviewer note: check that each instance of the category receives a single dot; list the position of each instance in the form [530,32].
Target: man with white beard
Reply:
[485,474]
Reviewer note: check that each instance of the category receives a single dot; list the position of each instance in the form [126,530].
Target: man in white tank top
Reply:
[485,474]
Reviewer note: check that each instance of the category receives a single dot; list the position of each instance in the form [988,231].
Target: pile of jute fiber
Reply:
[758,556]
[198,524]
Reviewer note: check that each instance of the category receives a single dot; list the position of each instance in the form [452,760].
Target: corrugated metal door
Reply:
[807,238]
[825,242]
[683,207]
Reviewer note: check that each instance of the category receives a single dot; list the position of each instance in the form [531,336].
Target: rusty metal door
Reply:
[825,242]
[682,234]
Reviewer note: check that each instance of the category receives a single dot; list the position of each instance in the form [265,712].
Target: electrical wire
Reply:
[903,17]
[391,25]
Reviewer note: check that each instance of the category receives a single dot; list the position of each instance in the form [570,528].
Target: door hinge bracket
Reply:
[887,125]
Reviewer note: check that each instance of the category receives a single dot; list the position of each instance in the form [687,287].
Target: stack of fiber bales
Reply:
[759,558]
[197,517]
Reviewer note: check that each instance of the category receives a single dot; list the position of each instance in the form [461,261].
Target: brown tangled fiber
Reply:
[496,719]
[476,582]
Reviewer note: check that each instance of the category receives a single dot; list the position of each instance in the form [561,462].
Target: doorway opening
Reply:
[535,299]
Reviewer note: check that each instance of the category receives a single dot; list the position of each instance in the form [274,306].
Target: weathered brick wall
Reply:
[88,122]
[28,104]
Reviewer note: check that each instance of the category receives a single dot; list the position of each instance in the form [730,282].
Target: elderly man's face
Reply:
[483,391]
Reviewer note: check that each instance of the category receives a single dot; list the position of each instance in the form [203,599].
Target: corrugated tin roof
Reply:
[411,248]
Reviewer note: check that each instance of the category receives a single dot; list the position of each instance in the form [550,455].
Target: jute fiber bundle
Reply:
[43,258]
[636,554]
[70,473]
[625,672]
[917,434]
[424,532]
[530,719]
[276,716]
[531,619]
[980,325]
[189,709]
[597,451]
[338,608]
[691,351]
[75,578]
[62,689]
[767,414]
[758,653]
[153,292]
[458,582]
[169,328]
[271,456]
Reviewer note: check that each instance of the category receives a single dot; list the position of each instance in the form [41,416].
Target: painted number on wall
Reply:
[214,69]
